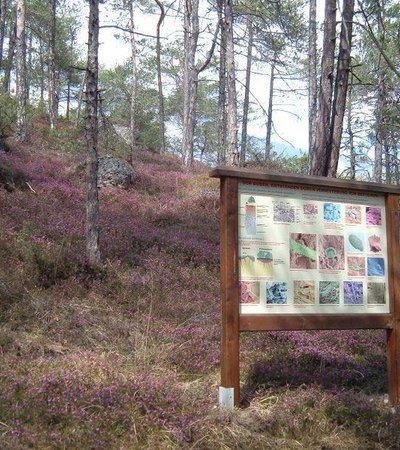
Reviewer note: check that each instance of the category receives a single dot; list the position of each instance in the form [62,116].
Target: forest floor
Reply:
[127,356]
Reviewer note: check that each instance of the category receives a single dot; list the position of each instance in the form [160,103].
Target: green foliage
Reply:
[44,265]
[8,112]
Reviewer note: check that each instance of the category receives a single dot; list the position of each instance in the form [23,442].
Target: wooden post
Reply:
[230,388]
[393,335]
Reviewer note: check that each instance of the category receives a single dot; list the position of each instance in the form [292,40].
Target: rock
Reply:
[114,171]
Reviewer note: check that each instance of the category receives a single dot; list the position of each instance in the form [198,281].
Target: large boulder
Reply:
[114,171]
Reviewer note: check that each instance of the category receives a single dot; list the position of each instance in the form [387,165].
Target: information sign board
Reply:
[306,253]
[310,251]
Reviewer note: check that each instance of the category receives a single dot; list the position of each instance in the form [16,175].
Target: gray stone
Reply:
[114,171]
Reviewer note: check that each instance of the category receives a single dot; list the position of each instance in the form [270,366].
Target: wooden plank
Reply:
[276,322]
[229,287]
[393,335]
[244,175]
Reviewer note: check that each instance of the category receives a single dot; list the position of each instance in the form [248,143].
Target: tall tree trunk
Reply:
[351,133]
[68,105]
[312,76]
[20,72]
[222,125]
[28,62]
[246,100]
[132,123]
[232,150]
[268,144]
[161,108]
[190,78]
[320,157]
[3,11]
[379,132]
[341,84]
[52,66]
[12,41]
[92,203]
[42,72]
[388,168]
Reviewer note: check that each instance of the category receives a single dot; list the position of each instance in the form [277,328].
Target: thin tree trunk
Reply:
[52,66]
[232,150]
[341,84]
[3,11]
[68,106]
[320,157]
[80,97]
[190,79]
[161,113]
[246,100]
[20,72]
[42,72]
[92,203]
[386,147]
[268,144]
[132,123]
[28,63]
[351,133]
[312,76]
[10,57]
[222,125]
[379,129]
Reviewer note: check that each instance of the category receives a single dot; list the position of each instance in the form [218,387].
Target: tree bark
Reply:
[341,85]
[268,144]
[246,101]
[379,129]
[351,133]
[132,122]
[3,11]
[190,78]
[21,72]
[312,76]
[320,157]
[92,203]
[52,66]
[161,108]
[232,150]
[222,125]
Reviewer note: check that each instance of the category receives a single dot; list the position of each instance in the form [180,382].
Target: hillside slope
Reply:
[126,356]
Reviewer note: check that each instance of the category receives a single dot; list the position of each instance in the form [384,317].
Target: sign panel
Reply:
[311,251]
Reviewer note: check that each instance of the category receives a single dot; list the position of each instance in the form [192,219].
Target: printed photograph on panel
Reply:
[332,212]
[304,292]
[303,251]
[310,210]
[331,252]
[353,293]
[250,216]
[250,292]
[373,215]
[355,242]
[374,243]
[356,266]
[329,292]
[284,212]
[276,293]
[376,293]
[255,261]
[353,214]
[376,267]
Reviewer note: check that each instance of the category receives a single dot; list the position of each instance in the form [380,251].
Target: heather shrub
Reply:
[45,262]
[331,359]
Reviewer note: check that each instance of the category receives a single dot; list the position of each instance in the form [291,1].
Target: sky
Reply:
[290,111]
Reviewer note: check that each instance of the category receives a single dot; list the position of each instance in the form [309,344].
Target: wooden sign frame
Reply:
[233,322]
